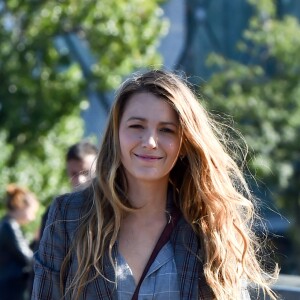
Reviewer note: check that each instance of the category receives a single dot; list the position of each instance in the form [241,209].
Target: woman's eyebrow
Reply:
[169,123]
[136,119]
[144,119]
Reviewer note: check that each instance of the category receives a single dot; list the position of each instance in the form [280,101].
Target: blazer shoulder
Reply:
[75,201]
[70,209]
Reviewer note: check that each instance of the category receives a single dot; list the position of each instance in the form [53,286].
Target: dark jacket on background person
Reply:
[15,261]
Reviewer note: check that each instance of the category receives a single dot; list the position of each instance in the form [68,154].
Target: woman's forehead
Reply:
[148,105]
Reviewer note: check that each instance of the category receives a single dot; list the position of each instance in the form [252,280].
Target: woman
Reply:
[162,178]
[15,253]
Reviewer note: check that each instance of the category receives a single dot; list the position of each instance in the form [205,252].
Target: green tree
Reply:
[263,96]
[43,89]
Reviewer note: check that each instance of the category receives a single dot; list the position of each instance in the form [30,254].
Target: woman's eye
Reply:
[167,130]
[138,126]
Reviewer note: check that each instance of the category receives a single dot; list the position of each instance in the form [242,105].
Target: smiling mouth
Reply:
[148,157]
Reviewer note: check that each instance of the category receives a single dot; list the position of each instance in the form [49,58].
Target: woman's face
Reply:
[28,213]
[150,138]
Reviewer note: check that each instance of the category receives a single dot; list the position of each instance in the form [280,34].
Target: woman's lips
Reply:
[148,157]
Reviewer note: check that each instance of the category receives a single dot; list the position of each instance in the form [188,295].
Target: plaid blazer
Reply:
[64,218]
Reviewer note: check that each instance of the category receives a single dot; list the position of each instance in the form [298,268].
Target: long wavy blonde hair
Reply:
[214,196]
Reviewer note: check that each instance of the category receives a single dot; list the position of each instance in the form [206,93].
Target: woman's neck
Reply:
[149,198]
[16,216]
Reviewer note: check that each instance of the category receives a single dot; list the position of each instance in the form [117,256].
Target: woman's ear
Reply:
[182,152]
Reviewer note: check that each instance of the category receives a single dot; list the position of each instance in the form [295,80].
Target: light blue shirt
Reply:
[160,283]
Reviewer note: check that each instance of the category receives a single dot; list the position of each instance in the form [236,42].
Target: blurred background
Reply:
[61,61]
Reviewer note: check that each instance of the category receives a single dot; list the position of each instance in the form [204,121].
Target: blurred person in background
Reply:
[80,166]
[15,253]
[79,159]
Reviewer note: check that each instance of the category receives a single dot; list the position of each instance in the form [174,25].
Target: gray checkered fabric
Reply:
[65,217]
[160,283]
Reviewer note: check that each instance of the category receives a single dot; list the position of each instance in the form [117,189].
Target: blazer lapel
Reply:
[185,250]
[188,254]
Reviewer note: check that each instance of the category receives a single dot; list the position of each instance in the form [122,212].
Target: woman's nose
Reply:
[150,140]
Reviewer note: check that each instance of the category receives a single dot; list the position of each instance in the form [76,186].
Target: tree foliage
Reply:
[263,96]
[43,87]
